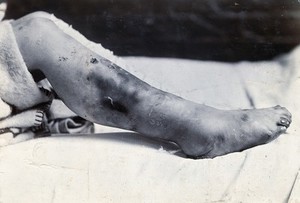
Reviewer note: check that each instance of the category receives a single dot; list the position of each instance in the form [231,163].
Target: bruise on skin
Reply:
[107,102]
[110,86]
[244,117]
[74,51]
[94,61]
[62,58]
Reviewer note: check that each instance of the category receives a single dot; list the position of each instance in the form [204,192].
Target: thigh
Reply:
[66,63]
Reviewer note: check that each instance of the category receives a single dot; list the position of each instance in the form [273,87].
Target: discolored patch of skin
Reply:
[244,117]
[94,61]
[62,58]
[109,103]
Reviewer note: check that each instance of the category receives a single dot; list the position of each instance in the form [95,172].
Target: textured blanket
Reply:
[17,86]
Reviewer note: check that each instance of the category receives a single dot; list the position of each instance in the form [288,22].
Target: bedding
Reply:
[119,166]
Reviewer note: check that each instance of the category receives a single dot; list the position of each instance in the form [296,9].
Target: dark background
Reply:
[222,30]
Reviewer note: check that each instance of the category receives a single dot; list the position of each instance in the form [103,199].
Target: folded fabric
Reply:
[60,119]
[70,125]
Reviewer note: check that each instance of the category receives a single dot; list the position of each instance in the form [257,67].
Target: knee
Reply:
[38,14]
[32,32]
[37,25]
[39,19]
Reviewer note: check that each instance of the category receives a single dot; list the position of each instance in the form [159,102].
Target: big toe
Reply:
[284,122]
[284,119]
[283,111]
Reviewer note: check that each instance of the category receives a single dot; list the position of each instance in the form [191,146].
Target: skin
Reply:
[25,119]
[16,123]
[100,91]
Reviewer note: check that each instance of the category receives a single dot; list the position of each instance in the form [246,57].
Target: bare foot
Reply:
[24,119]
[219,132]
[38,117]
[32,118]
[14,124]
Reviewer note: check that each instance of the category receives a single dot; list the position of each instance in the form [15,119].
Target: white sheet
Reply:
[125,167]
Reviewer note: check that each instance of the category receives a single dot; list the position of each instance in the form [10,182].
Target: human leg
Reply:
[100,91]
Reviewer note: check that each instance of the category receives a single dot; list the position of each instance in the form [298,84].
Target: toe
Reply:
[284,122]
[285,116]
[37,123]
[281,129]
[39,114]
[288,114]
[38,118]
[277,107]
[284,111]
